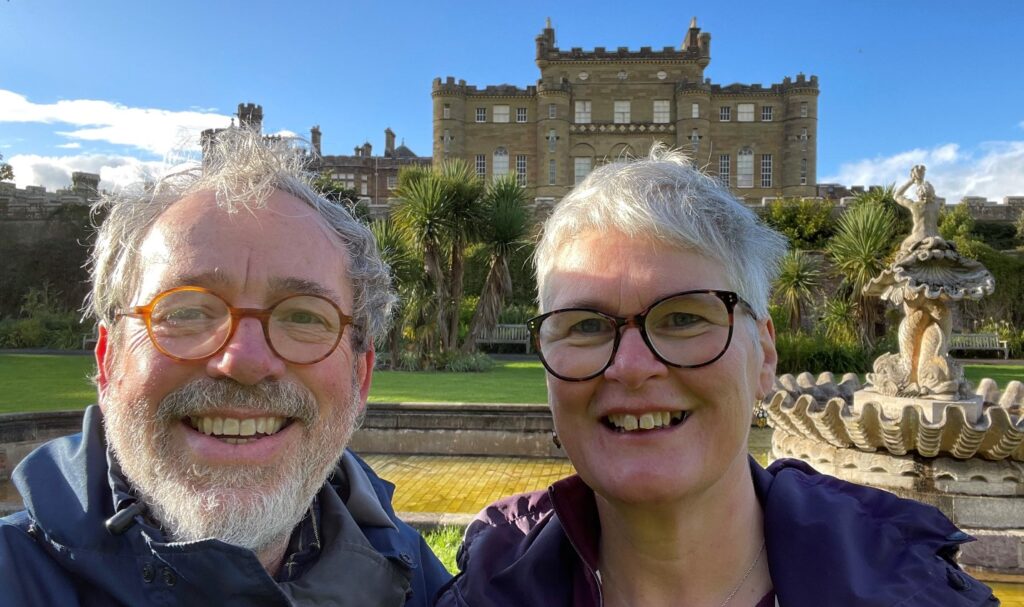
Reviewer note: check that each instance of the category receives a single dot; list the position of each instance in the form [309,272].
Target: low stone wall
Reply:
[423,428]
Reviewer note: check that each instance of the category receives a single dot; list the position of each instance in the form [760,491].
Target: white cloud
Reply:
[994,170]
[74,145]
[54,172]
[154,130]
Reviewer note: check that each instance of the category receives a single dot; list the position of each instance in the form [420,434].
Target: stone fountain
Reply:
[917,427]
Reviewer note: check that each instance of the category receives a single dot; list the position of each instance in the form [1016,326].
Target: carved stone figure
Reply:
[927,274]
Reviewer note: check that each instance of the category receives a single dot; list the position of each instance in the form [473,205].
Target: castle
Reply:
[592,106]
[372,177]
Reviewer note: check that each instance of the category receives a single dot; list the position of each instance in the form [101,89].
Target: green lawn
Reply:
[33,382]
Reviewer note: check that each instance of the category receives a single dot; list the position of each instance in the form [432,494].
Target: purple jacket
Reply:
[829,543]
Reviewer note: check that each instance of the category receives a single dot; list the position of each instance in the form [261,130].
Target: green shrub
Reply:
[474,362]
[806,222]
[816,354]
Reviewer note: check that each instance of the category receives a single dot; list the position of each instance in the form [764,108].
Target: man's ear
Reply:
[766,340]
[103,362]
[364,374]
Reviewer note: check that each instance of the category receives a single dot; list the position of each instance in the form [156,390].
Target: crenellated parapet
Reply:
[450,87]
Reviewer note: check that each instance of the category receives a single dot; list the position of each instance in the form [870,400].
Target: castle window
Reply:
[521,169]
[766,170]
[501,113]
[582,112]
[745,112]
[481,114]
[694,110]
[500,163]
[803,140]
[803,109]
[661,111]
[520,114]
[552,140]
[392,182]
[447,112]
[552,176]
[803,171]
[621,115]
[723,169]
[481,165]
[766,113]
[581,168]
[362,189]
[745,168]
[725,113]
[447,140]
[695,140]
[552,111]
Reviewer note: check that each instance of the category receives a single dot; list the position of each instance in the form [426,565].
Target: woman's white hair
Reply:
[242,169]
[666,199]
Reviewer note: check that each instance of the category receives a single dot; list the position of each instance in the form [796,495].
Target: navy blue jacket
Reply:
[829,543]
[58,551]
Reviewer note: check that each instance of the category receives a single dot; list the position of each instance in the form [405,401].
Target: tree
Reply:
[806,222]
[336,191]
[799,277]
[507,226]
[466,220]
[864,239]
[394,249]
[6,171]
[1020,225]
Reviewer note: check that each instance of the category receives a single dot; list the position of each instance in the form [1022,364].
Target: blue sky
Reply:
[113,86]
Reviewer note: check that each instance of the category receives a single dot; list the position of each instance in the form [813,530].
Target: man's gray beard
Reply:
[248,506]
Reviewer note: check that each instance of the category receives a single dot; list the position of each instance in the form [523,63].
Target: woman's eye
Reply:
[588,326]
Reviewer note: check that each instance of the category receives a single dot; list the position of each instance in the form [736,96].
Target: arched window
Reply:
[745,168]
[500,163]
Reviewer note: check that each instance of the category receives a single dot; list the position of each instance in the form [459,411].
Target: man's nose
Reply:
[247,357]
[634,362]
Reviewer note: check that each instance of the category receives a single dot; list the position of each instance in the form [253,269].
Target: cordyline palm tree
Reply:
[799,277]
[506,228]
[864,239]
[394,250]
[466,219]
[424,216]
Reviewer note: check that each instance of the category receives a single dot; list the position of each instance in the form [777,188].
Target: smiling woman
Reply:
[657,342]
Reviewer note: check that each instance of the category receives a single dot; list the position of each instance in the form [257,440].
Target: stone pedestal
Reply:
[931,408]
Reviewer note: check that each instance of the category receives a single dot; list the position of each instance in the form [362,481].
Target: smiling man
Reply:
[237,313]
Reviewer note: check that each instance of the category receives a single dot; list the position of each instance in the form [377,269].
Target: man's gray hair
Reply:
[665,198]
[242,169]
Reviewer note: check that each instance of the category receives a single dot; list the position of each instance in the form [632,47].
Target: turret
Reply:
[250,116]
[314,139]
[389,143]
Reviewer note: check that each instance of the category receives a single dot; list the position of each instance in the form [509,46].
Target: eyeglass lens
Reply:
[686,330]
[195,324]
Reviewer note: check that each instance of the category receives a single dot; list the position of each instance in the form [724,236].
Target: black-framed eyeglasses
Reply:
[687,330]
[193,323]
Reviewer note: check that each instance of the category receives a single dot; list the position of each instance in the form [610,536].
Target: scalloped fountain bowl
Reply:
[967,462]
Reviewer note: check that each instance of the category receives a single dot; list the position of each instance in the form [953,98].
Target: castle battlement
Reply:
[451,87]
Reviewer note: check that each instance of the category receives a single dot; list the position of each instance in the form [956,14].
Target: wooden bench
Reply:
[979,342]
[507,334]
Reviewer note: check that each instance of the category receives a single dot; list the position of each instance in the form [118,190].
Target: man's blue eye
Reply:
[301,317]
[589,325]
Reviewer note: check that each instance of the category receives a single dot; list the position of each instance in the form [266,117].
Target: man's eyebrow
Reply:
[212,278]
[291,286]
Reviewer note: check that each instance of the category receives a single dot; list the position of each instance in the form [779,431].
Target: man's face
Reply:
[220,480]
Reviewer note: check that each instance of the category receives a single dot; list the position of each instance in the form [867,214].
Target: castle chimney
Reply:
[367,150]
[389,142]
[692,40]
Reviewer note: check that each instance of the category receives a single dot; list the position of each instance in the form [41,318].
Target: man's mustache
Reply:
[276,398]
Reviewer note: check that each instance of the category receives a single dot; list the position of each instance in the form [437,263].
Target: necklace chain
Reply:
[743,580]
[745,576]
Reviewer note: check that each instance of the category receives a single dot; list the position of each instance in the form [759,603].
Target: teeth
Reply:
[234,427]
[646,421]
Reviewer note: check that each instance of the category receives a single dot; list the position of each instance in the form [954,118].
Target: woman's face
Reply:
[617,275]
